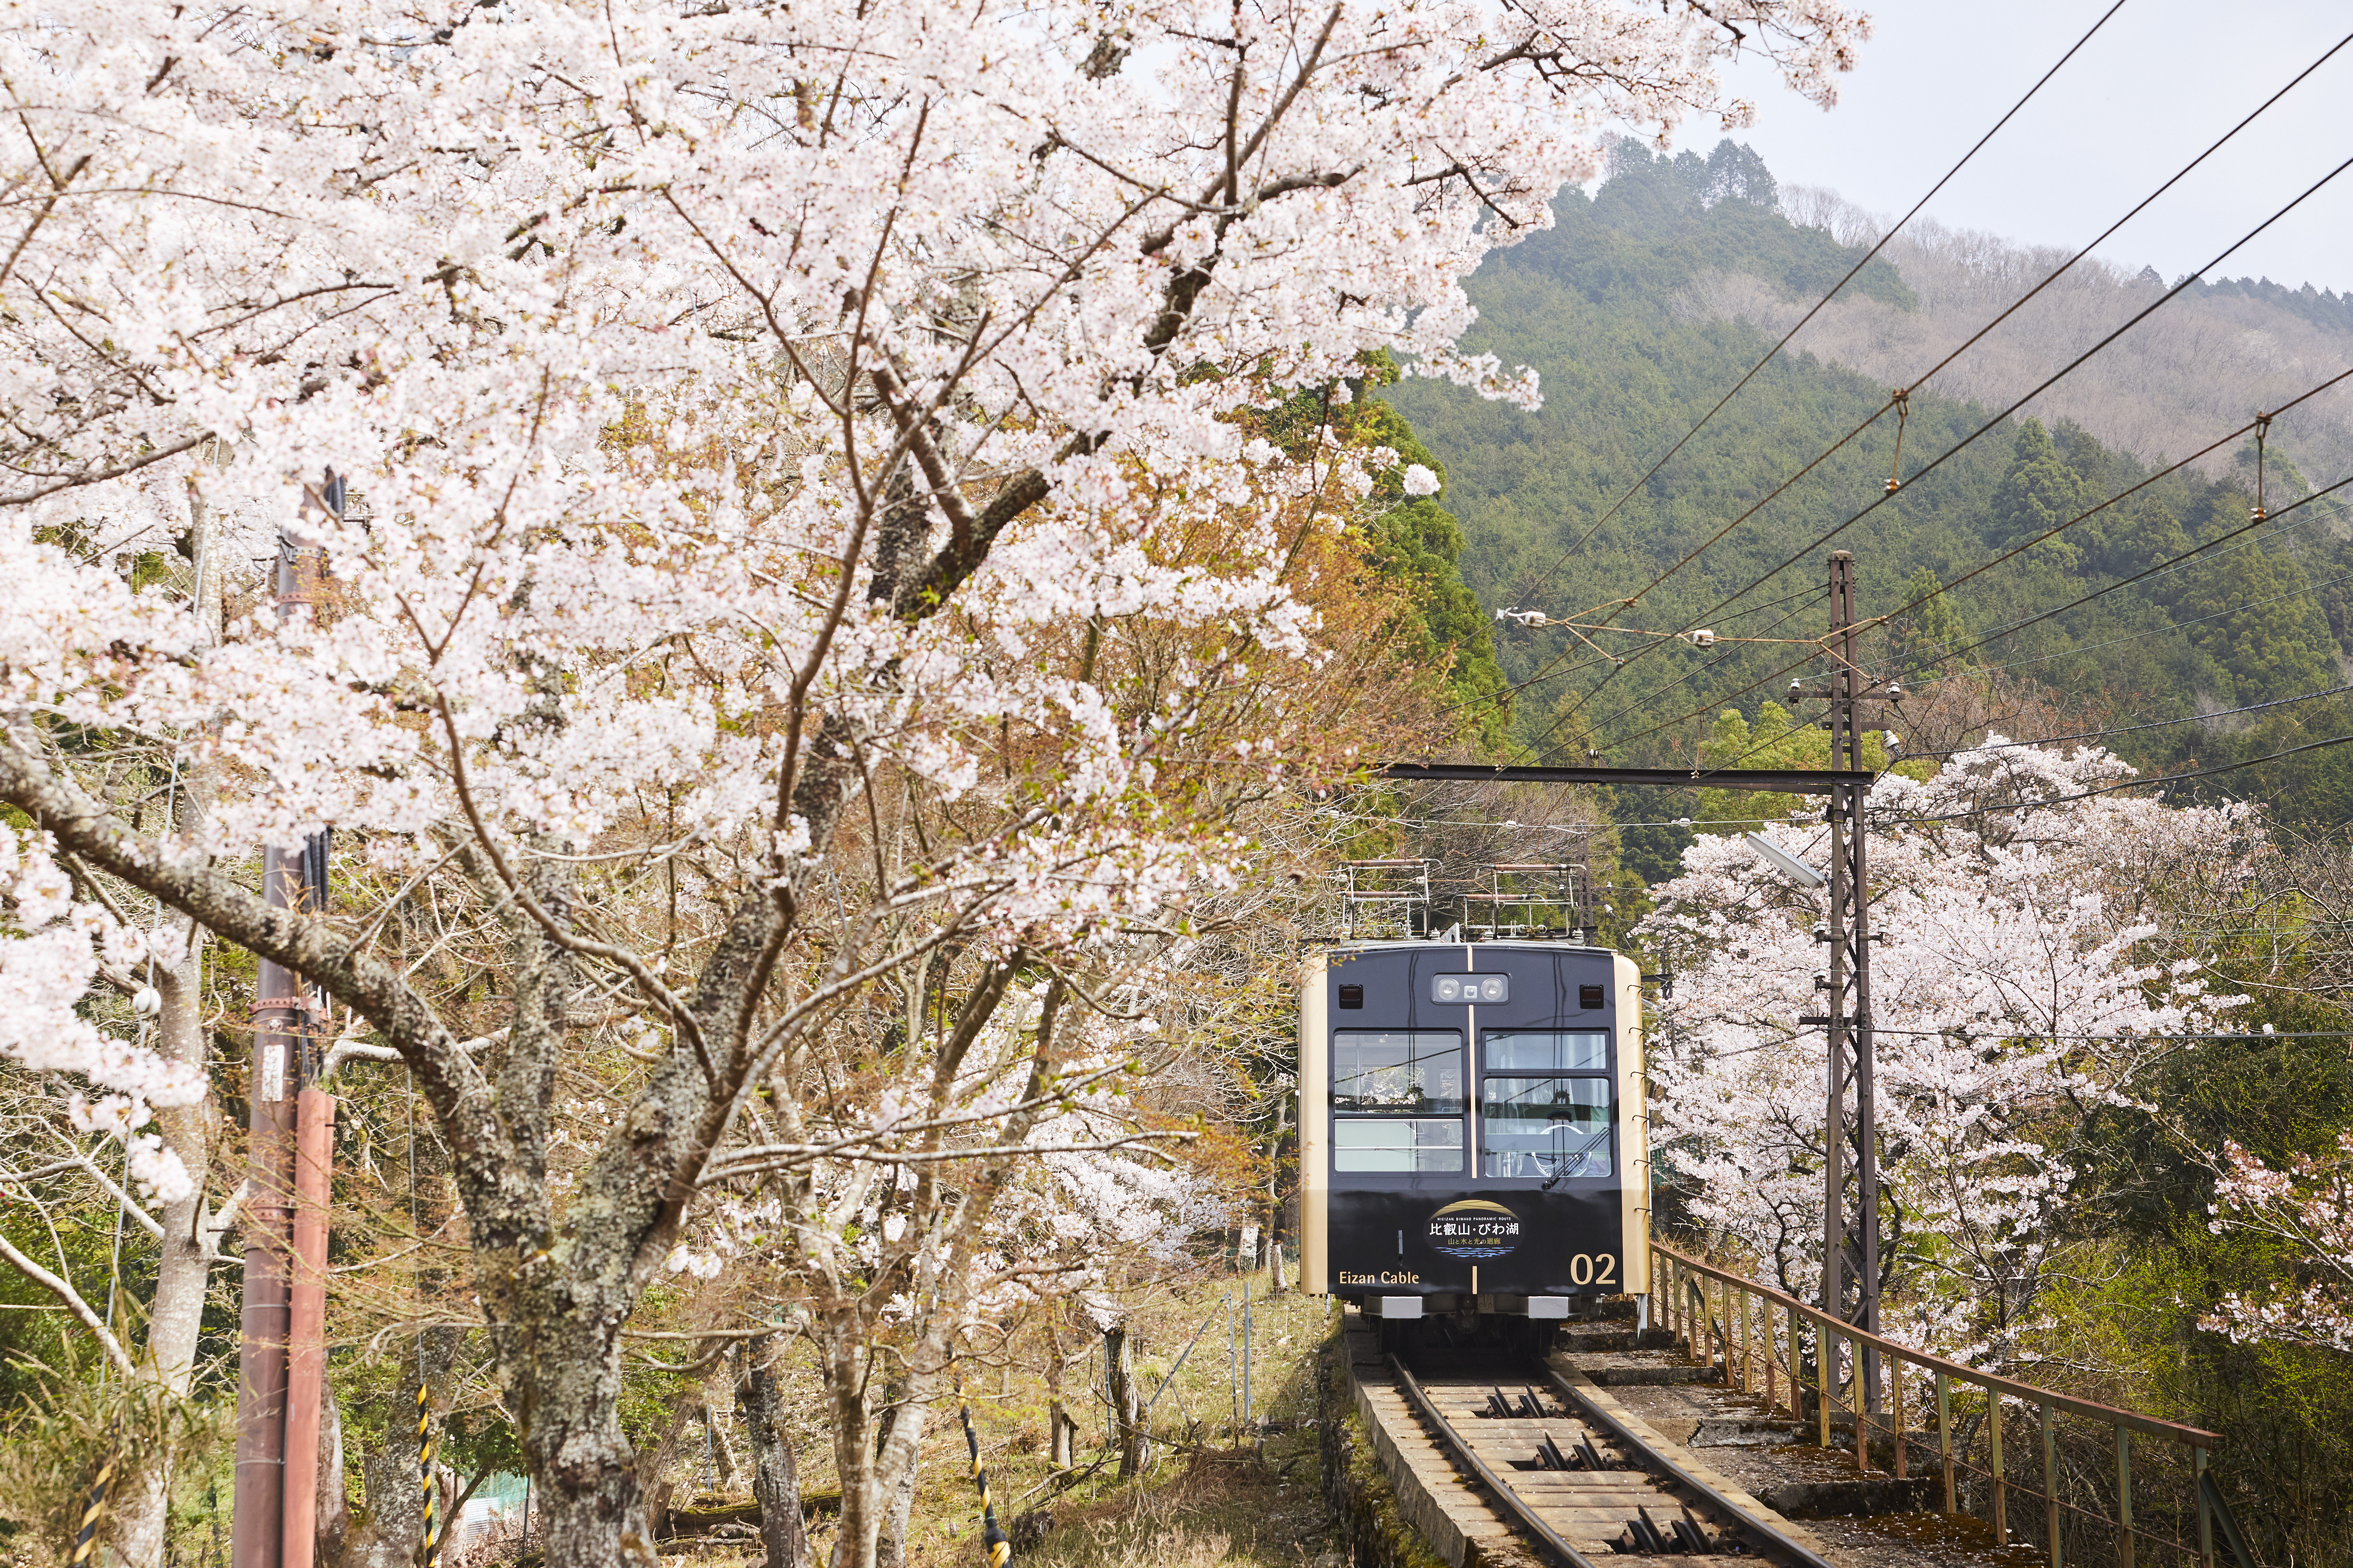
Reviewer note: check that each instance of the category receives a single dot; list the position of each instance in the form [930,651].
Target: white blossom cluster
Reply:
[2010,1000]
[2307,1206]
[52,950]
[626,318]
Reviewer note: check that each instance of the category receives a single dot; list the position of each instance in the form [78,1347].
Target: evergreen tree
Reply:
[1919,637]
[2255,615]
[2130,539]
[2038,493]
[1417,541]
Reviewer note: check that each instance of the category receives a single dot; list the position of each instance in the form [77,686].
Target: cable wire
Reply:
[2171,563]
[1868,258]
[2158,782]
[2157,569]
[2172,625]
[1897,397]
[2020,549]
[2044,386]
[2132,729]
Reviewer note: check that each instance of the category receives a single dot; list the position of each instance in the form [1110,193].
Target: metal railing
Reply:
[1761,1335]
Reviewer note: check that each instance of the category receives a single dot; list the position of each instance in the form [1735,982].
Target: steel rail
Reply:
[1742,1519]
[1512,1500]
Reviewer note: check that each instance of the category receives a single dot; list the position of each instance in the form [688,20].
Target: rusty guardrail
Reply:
[1740,1327]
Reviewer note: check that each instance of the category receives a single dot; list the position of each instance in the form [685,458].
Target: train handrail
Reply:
[1675,1271]
[1569,1555]
[2024,1392]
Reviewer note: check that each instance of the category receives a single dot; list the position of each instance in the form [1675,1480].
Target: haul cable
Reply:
[1527,1517]
[1592,1411]
[1649,1457]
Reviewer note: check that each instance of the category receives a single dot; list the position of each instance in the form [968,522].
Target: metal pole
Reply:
[1248,1420]
[306,1361]
[282,1032]
[1850,928]
[1834,1208]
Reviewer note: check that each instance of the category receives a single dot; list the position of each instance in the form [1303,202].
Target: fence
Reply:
[1761,1336]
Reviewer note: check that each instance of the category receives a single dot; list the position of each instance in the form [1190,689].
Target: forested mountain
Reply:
[1619,307]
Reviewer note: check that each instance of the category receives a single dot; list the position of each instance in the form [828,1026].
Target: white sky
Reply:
[2158,83]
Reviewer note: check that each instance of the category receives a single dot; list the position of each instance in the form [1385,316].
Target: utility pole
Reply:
[285,1057]
[1851,1147]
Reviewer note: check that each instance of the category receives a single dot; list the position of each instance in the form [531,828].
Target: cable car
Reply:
[1472,1135]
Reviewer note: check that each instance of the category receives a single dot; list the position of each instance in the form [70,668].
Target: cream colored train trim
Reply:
[1634,1143]
[1315,1130]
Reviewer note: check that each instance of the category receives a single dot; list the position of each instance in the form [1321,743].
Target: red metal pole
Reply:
[282,1014]
[257,1519]
[306,1357]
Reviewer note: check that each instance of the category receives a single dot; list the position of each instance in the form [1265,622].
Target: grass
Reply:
[1210,1496]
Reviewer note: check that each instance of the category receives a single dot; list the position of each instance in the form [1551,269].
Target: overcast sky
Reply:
[2159,81]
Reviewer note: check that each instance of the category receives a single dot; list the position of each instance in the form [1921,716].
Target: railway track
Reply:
[1571,1476]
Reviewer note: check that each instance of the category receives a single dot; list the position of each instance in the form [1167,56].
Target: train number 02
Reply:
[1580,1269]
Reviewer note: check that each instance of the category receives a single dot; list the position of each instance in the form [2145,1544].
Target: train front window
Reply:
[1550,1126]
[1517,1050]
[1396,1071]
[1411,1144]
[1399,1099]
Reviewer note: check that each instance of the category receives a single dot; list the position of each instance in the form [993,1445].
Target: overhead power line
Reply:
[2171,564]
[1545,578]
[1900,395]
[2020,549]
[2162,566]
[1817,307]
[2160,782]
[2044,386]
[2174,626]
[2135,729]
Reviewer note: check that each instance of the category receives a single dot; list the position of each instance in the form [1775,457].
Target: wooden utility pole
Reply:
[285,1057]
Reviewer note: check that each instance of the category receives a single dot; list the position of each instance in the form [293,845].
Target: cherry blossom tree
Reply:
[817,576]
[2306,1208]
[2014,1001]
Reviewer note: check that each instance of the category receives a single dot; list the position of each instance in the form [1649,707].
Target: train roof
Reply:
[1388,944]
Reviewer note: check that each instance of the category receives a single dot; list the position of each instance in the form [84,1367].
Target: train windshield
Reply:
[1401,1101]
[1539,1115]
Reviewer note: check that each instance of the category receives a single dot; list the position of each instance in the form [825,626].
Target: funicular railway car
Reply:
[1471,1128]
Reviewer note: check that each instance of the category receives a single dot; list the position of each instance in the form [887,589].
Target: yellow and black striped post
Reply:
[999,1545]
[93,1511]
[425,1449]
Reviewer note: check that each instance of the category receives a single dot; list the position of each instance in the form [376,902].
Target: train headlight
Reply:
[1464,989]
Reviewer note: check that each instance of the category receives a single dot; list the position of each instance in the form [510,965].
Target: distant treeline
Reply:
[1612,308]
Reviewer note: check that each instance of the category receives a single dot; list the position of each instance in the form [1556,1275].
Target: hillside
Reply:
[1642,306]
[2206,361]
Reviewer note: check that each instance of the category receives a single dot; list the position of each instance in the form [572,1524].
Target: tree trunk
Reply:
[390,1527]
[183,1261]
[775,1479]
[902,1450]
[714,1423]
[1126,1419]
[1274,1268]
[335,1499]
[592,1502]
